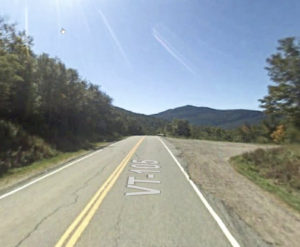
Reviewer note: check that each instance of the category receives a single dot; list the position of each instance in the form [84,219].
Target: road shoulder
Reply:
[251,214]
[19,177]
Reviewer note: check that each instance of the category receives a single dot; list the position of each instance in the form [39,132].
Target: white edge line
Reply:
[50,174]
[223,227]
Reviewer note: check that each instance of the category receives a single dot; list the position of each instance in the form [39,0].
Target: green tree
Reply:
[283,68]
[181,127]
[17,87]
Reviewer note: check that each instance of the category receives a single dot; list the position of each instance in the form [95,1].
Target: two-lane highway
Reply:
[133,193]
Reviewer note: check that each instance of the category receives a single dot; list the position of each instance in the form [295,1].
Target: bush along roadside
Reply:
[275,170]
[18,148]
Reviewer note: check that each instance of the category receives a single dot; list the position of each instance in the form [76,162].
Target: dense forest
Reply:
[46,107]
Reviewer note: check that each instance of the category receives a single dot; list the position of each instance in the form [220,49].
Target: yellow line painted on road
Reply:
[74,231]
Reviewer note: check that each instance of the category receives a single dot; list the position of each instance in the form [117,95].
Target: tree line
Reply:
[281,105]
[259,133]
[45,106]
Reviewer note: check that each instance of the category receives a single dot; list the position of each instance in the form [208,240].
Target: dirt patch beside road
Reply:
[254,216]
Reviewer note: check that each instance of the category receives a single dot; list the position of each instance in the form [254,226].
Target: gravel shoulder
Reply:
[254,216]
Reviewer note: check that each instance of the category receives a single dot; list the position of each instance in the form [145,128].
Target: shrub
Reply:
[18,148]
[282,165]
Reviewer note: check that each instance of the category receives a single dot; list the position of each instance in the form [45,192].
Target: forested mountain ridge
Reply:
[204,116]
[141,123]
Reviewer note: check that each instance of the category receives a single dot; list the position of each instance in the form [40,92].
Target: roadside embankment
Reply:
[17,176]
[276,170]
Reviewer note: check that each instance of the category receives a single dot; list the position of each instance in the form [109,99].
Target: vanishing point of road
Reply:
[131,193]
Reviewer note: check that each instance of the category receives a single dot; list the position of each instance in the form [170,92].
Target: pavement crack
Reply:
[85,184]
[74,201]
[137,157]
[118,227]
[38,225]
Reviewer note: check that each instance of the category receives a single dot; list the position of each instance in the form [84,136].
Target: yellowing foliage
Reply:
[279,134]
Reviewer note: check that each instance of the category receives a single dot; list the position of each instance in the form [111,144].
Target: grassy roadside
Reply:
[16,175]
[275,170]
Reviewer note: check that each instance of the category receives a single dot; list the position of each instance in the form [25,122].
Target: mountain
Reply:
[147,124]
[204,116]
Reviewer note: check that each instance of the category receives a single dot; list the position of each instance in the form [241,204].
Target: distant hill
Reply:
[204,116]
[148,124]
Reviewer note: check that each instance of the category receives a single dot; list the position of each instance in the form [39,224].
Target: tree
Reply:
[181,127]
[17,89]
[278,134]
[283,99]
[45,105]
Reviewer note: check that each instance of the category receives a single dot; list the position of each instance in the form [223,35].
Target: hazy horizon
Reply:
[175,107]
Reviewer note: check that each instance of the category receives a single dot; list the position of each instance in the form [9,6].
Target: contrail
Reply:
[114,37]
[172,51]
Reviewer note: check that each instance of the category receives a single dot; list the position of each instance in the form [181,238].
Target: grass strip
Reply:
[274,171]
[16,175]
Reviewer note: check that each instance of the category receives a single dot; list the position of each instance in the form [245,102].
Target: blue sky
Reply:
[152,55]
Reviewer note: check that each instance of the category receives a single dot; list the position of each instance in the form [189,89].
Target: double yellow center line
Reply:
[74,231]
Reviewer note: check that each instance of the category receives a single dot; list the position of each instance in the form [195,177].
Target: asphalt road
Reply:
[132,193]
